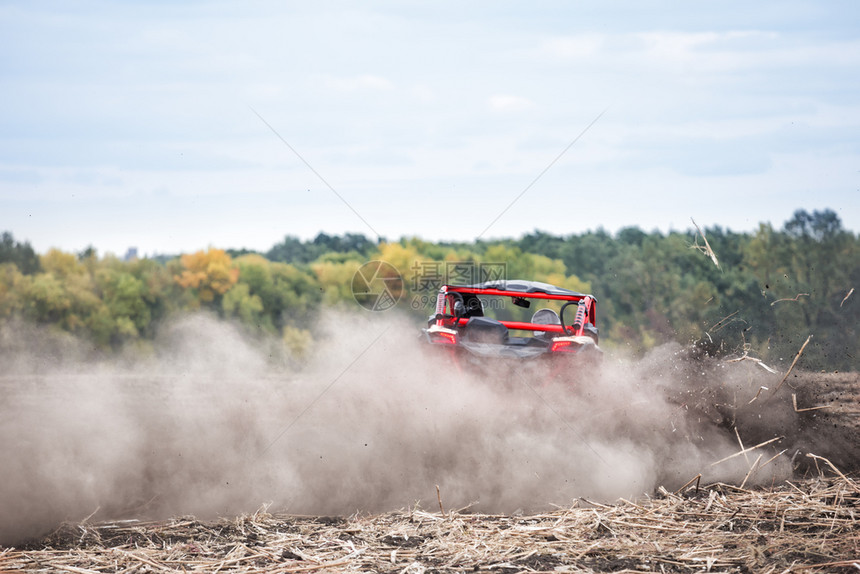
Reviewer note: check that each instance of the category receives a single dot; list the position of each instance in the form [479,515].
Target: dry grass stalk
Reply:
[745,357]
[760,389]
[806,526]
[697,479]
[743,451]
[721,321]
[847,480]
[797,410]
[741,444]
[439,498]
[759,362]
[706,249]
[752,470]
[846,297]
[794,362]
[796,298]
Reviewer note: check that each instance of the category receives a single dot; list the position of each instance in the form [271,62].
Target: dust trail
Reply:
[210,422]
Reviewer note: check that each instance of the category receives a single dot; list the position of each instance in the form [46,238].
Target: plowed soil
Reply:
[800,526]
[828,406]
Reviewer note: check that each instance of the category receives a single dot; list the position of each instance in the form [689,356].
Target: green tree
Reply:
[13,286]
[239,302]
[293,250]
[62,294]
[126,312]
[21,254]
[288,295]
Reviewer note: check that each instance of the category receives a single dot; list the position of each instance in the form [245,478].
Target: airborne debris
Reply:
[797,410]
[721,323]
[745,357]
[706,249]
[846,297]
[794,362]
[759,362]
[796,298]
[743,450]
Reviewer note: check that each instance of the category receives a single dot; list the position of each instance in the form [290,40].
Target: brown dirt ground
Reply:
[832,431]
[802,526]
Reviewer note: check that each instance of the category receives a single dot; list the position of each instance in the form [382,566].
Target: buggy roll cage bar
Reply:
[586,308]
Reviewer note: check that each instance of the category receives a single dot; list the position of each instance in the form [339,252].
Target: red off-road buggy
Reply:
[562,325]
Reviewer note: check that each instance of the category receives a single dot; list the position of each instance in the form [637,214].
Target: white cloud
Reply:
[701,53]
[577,47]
[509,103]
[361,83]
[424,94]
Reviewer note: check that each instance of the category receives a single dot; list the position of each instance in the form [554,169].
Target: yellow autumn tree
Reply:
[210,273]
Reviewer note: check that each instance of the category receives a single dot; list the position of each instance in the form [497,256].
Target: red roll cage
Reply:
[586,310]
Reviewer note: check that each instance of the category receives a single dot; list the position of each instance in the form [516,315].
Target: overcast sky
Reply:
[173,126]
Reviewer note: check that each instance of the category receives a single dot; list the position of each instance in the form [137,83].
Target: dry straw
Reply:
[846,297]
[706,249]
[794,362]
[796,299]
[805,526]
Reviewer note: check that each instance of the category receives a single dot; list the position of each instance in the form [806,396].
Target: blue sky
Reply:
[135,124]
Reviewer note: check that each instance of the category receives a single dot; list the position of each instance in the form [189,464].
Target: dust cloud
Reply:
[210,422]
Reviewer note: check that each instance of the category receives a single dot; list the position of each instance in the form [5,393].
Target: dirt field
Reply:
[803,526]
[828,406]
[810,523]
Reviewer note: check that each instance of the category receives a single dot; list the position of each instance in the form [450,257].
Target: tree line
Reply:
[761,293]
